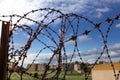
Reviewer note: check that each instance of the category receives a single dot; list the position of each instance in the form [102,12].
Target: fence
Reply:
[59,29]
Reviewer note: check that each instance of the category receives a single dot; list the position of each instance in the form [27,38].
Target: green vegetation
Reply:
[77,78]
[70,75]
[16,76]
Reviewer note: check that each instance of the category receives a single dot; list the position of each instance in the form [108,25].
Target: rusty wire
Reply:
[43,28]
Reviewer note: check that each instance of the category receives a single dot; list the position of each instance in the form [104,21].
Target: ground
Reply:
[70,76]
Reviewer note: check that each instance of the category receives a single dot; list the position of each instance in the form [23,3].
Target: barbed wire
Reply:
[67,24]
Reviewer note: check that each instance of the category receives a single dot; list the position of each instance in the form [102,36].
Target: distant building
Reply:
[76,66]
[11,66]
[52,66]
[105,71]
[37,67]
[67,66]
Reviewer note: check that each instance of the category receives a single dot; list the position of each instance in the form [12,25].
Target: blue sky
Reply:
[89,45]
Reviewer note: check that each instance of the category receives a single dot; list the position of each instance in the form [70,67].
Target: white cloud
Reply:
[115,47]
[111,1]
[66,6]
[15,7]
[70,42]
[83,38]
[88,56]
[118,25]
[17,45]
[100,11]
[92,54]
[26,35]
[42,58]
[113,54]
[80,39]
[21,7]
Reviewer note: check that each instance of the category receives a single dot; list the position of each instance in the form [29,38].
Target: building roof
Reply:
[107,66]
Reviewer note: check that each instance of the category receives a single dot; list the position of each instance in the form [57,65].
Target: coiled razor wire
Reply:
[46,26]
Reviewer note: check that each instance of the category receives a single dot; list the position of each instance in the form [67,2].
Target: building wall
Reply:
[36,67]
[41,67]
[70,67]
[52,66]
[103,75]
[77,68]
[11,65]
[32,68]
[105,71]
